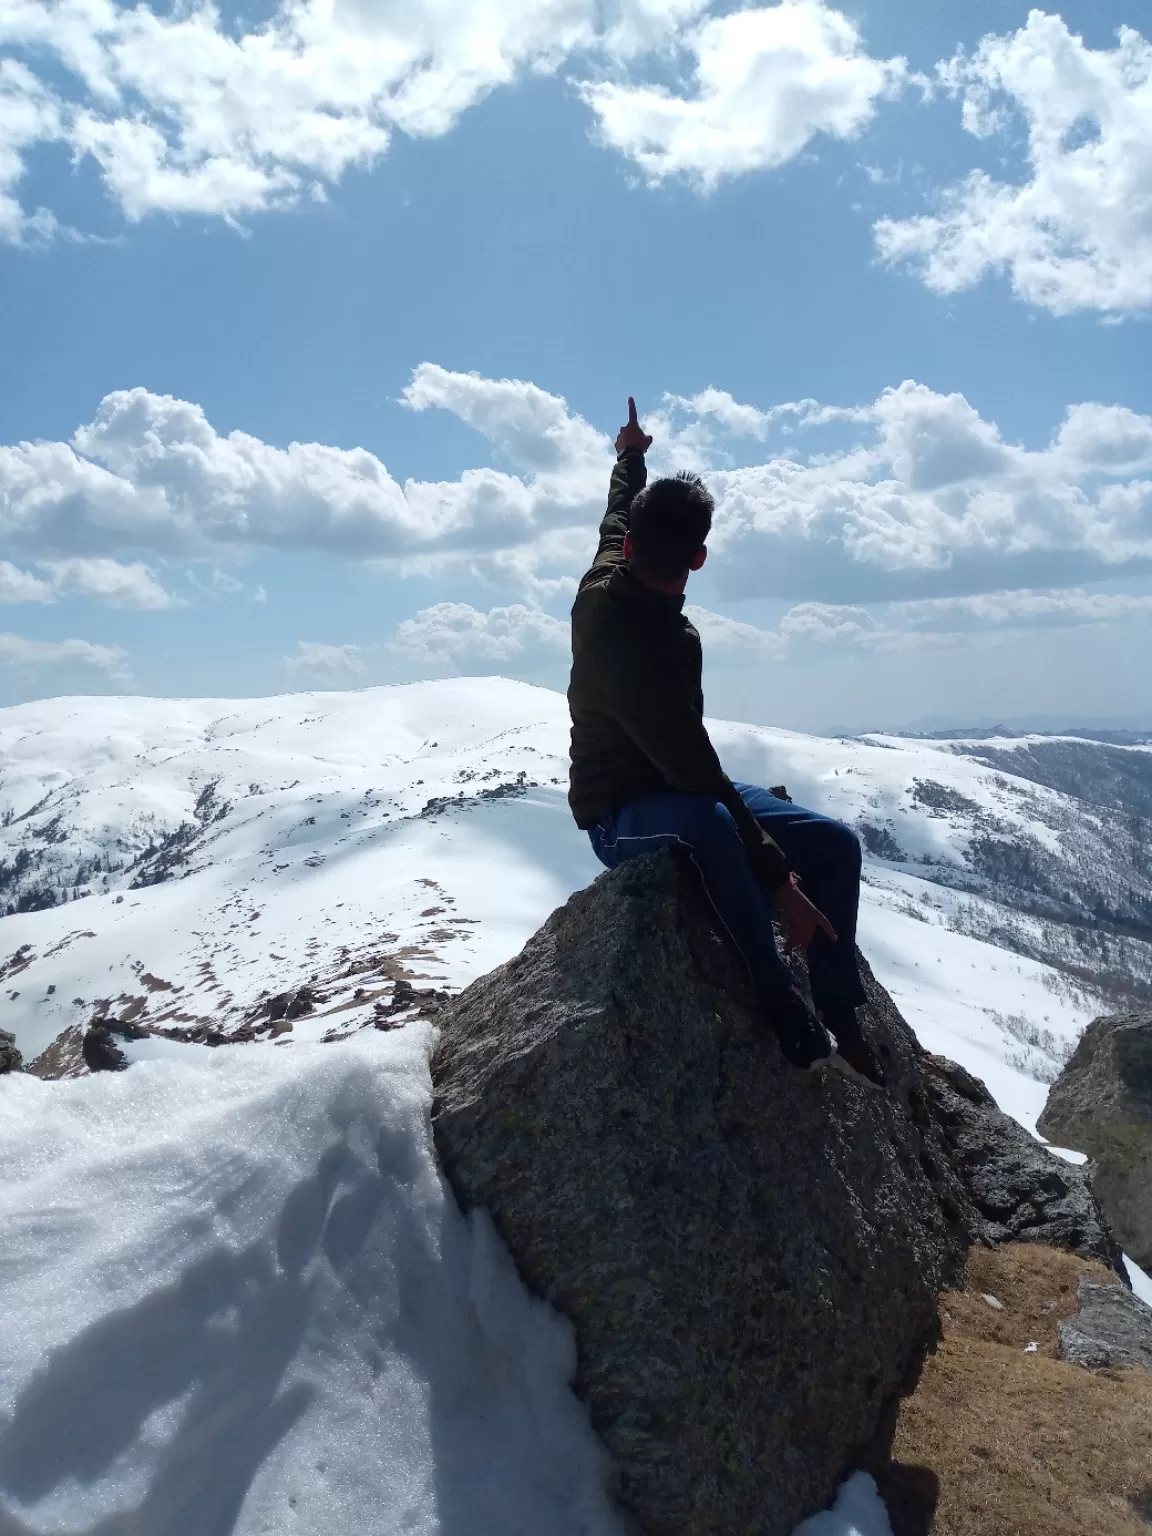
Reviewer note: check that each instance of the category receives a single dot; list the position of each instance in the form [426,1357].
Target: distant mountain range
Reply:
[180,863]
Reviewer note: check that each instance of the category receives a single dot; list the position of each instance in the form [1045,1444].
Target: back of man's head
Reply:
[669,522]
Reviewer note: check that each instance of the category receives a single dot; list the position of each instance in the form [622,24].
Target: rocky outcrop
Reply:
[1110,1327]
[750,1256]
[10,1057]
[1102,1105]
[100,1051]
[1015,1189]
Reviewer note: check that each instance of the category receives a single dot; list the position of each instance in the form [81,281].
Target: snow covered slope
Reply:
[239,1297]
[185,861]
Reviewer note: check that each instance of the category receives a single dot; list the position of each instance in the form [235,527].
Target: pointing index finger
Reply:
[632,422]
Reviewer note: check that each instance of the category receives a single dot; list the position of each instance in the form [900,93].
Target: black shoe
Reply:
[802,1037]
[853,1049]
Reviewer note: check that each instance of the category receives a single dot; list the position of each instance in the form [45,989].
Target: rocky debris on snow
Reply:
[751,1256]
[100,1051]
[427,1001]
[1017,1191]
[10,1058]
[1102,1105]
[1110,1327]
[63,1058]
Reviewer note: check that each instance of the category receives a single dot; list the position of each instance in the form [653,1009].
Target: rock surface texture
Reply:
[10,1058]
[1110,1327]
[1102,1105]
[1016,1190]
[750,1256]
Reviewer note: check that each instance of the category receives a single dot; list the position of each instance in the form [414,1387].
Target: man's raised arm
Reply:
[629,476]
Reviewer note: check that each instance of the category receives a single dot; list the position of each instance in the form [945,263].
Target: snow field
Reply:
[238,1297]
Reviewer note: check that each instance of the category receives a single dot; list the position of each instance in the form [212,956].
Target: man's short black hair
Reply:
[669,521]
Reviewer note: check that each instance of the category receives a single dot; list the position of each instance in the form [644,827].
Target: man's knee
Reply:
[704,823]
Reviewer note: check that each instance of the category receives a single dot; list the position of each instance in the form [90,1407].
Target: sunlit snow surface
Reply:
[235,1294]
[239,1296]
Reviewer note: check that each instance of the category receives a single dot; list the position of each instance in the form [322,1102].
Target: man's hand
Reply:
[805,921]
[631,434]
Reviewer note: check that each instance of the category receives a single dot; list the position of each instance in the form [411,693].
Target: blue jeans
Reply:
[824,853]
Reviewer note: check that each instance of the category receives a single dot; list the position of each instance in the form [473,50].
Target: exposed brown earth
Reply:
[1000,1440]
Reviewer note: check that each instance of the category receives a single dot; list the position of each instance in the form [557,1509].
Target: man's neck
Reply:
[668,588]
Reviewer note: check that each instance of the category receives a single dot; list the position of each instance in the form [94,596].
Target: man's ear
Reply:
[628,545]
[698,558]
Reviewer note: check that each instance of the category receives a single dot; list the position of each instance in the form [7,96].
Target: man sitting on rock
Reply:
[646,776]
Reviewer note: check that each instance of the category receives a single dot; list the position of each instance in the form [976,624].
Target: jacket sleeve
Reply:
[629,476]
[652,706]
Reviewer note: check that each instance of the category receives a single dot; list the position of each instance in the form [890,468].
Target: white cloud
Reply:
[924,490]
[1078,233]
[17,586]
[28,115]
[938,488]
[718,632]
[810,632]
[184,113]
[332,661]
[121,586]
[458,635]
[40,655]
[764,82]
[534,429]
[1062,608]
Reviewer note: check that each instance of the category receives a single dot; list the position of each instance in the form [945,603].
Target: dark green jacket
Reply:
[635,696]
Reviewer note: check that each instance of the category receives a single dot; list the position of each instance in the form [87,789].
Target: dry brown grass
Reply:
[996,1441]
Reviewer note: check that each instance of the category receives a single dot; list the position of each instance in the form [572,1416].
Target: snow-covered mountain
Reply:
[182,862]
[240,1296]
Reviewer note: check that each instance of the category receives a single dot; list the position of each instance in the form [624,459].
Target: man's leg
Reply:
[703,832]
[826,856]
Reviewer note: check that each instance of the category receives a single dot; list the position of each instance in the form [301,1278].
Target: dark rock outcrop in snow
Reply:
[100,1051]
[1102,1105]
[10,1058]
[1110,1327]
[750,1256]
[1017,1191]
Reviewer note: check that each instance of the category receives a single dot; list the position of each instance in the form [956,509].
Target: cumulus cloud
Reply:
[184,113]
[17,586]
[534,429]
[915,494]
[24,655]
[108,581]
[151,472]
[811,632]
[458,635]
[1061,608]
[934,489]
[331,661]
[763,83]
[1077,234]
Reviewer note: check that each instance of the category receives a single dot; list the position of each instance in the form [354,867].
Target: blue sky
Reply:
[438,252]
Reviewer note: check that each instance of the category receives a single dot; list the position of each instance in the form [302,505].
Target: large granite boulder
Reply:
[1102,1105]
[750,1256]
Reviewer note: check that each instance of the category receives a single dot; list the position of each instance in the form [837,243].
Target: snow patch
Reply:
[238,1296]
